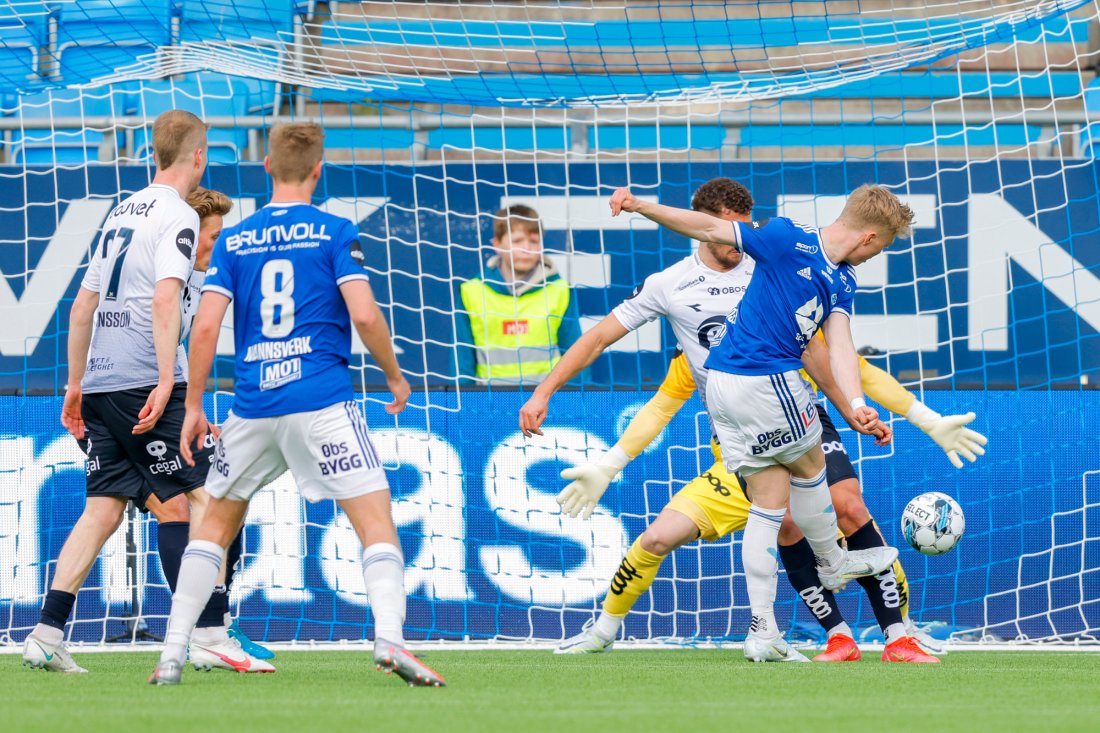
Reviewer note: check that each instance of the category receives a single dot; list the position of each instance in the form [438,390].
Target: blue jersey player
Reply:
[295,276]
[762,411]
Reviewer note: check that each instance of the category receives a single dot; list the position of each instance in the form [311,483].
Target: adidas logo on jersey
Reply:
[806,273]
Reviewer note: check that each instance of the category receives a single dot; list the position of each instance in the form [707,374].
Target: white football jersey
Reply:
[695,299]
[150,236]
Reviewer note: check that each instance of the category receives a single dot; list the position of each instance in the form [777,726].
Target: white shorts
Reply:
[761,420]
[328,451]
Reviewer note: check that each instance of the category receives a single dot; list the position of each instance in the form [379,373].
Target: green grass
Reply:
[532,691]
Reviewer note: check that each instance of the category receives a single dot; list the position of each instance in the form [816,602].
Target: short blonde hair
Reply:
[294,149]
[876,207]
[207,203]
[177,133]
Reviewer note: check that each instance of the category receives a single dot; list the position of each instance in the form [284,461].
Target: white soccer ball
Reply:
[933,523]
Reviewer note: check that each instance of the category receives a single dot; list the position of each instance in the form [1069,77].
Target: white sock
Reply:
[210,635]
[812,511]
[49,634]
[759,554]
[841,628]
[893,632]
[607,626]
[384,578]
[198,575]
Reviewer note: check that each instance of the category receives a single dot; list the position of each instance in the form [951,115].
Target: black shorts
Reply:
[134,466]
[838,467]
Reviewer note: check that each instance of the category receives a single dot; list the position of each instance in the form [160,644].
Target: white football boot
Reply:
[586,642]
[226,653]
[858,564]
[37,654]
[927,642]
[761,647]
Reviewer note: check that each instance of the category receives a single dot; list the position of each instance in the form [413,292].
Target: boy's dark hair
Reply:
[722,193]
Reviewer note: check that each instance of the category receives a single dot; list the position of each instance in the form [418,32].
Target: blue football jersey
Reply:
[282,267]
[794,289]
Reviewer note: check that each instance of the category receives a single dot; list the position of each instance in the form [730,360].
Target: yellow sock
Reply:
[903,588]
[635,574]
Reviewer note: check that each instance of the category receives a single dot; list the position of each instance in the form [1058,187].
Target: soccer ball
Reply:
[933,523]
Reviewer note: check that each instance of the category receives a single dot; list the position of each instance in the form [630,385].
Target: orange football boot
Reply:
[841,648]
[906,649]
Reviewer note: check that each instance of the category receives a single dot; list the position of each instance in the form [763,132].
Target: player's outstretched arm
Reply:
[580,355]
[80,339]
[200,360]
[948,431]
[166,339]
[844,364]
[694,224]
[589,481]
[371,325]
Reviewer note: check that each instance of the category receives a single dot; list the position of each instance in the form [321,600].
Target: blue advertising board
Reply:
[489,554]
[998,288]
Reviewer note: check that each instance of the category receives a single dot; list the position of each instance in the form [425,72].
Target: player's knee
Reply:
[104,517]
[655,543]
[851,512]
[660,540]
[176,509]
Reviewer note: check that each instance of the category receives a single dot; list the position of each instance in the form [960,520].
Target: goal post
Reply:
[979,115]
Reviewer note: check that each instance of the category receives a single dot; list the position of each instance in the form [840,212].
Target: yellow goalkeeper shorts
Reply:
[715,501]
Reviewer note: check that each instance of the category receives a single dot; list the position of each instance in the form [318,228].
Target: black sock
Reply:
[56,609]
[171,542]
[216,608]
[882,590]
[232,556]
[801,566]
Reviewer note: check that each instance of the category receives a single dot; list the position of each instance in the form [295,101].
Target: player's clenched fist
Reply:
[624,200]
[865,420]
[532,414]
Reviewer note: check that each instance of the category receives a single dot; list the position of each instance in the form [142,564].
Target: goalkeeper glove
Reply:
[950,432]
[590,481]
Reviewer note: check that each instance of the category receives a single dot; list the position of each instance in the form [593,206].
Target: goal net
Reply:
[438,114]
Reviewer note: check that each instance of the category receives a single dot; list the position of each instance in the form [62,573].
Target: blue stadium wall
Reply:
[509,559]
[427,236]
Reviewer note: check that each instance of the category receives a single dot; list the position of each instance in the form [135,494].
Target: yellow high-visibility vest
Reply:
[515,337]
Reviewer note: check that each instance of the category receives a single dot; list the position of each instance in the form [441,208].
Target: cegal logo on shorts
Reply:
[157,449]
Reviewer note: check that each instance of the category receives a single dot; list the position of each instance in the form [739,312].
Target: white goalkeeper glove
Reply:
[950,433]
[589,482]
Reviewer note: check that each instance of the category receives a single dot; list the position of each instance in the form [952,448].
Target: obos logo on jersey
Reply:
[276,373]
[157,449]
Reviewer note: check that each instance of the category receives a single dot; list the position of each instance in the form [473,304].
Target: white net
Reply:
[437,115]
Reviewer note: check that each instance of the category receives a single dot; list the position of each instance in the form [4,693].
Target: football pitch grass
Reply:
[535,691]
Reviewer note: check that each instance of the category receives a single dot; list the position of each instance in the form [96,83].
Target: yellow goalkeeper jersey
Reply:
[878,384]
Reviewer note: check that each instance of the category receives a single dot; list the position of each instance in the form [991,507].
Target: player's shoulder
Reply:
[680,275]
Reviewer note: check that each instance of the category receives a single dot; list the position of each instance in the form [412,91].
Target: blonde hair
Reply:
[176,134]
[516,216]
[874,206]
[294,149]
[207,203]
